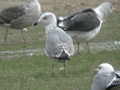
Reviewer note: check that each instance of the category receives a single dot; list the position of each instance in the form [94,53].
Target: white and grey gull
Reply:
[20,16]
[86,24]
[106,78]
[59,45]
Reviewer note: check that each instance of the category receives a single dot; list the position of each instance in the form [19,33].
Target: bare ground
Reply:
[63,7]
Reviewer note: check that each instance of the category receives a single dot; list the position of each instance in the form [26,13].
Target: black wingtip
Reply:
[116,84]
[113,87]
[117,73]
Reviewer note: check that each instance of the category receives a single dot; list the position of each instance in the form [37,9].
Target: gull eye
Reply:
[99,68]
[45,18]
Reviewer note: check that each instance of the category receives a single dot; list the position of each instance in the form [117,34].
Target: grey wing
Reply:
[57,42]
[53,45]
[85,20]
[67,41]
[9,14]
[101,81]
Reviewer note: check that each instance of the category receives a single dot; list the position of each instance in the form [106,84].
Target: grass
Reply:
[110,29]
[33,72]
[35,36]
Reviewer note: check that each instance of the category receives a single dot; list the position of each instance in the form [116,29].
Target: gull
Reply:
[86,24]
[20,16]
[59,45]
[106,78]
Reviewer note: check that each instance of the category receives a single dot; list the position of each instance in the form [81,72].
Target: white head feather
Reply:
[105,68]
[48,18]
[103,10]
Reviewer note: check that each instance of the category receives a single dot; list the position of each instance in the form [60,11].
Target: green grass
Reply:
[34,73]
[110,29]
[35,37]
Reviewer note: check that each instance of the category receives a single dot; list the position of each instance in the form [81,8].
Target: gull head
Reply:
[48,18]
[104,9]
[105,68]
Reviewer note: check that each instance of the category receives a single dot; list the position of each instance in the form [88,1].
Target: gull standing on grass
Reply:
[106,78]
[59,44]
[20,16]
[85,25]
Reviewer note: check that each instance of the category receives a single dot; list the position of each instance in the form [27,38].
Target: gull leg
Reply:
[88,47]
[6,35]
[64,67]
[78,47]
[23,36]
[53,69]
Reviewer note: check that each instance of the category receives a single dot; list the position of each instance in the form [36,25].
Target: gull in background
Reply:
[106,78]
[20,16]
[59,44]
[85,25]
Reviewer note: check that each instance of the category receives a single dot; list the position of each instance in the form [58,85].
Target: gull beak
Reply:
[40,19]
[96,70]
[40,22]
